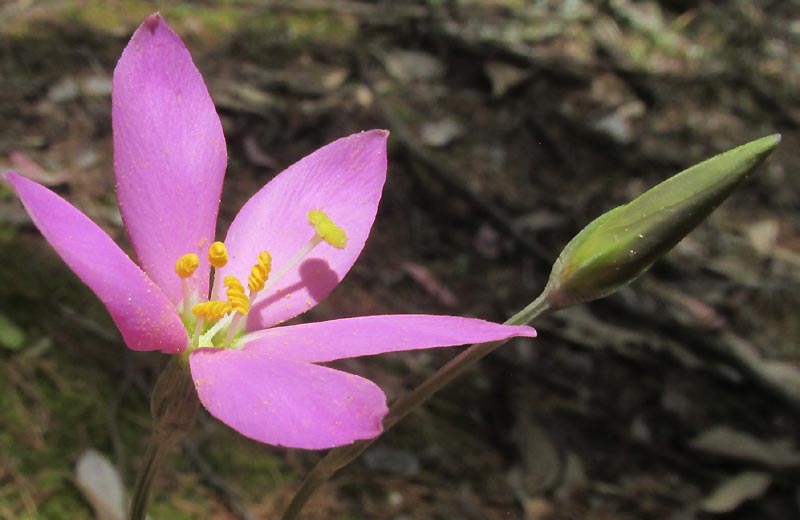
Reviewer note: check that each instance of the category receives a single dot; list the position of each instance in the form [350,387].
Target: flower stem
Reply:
[156,450]
[338,458]
[174,406]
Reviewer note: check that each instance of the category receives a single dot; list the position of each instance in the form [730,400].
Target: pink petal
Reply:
[285,403]
[344,179]
[329,340]
[169,154]
[144,315]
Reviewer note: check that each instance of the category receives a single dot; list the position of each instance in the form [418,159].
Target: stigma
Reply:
[326,229]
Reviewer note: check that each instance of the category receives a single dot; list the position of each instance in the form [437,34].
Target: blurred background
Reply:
[513,124]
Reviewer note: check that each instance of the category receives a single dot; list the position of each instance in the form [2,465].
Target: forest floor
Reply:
[513,124]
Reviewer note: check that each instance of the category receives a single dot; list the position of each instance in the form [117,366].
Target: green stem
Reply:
[338,458]
[174,406]
[315,478]
[156,450]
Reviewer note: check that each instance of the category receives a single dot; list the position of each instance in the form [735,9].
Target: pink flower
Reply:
[310,222]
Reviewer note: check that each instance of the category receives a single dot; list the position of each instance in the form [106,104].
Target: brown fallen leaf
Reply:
[440,133]
[735,491]
[504,77]
[726,442]
[101,484]
[407,66]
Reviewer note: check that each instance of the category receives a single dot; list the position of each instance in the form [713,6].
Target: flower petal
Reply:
[141,311]
[169,154]
[364,336]
[344,179]
[285,403]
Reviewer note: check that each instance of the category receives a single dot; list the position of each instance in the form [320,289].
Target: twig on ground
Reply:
[778,379]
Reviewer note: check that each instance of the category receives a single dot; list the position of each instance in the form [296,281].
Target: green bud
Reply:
[621,244]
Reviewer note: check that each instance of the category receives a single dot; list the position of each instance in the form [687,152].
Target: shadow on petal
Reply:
[316,277]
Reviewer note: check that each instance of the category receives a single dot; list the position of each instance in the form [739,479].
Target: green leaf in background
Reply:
[11,336]
[621,244]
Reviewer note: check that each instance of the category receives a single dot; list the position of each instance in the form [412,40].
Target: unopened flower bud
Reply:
[621,244]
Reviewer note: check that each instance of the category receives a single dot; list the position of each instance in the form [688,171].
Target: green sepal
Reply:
[621,244]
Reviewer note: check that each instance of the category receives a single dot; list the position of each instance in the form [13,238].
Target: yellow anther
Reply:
[260,272]
[186,265]
[326,229]
[218,254]
[235,293]
[212,311]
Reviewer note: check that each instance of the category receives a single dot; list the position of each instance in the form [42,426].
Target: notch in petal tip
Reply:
[376,132]
[153,21]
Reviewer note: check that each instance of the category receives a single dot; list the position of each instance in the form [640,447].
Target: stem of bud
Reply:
[174,406]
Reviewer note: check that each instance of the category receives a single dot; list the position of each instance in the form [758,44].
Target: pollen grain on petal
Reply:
[327,229]
[236,296]
[217,255]
[186,265]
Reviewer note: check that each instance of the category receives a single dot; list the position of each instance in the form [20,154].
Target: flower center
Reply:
[219,322]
